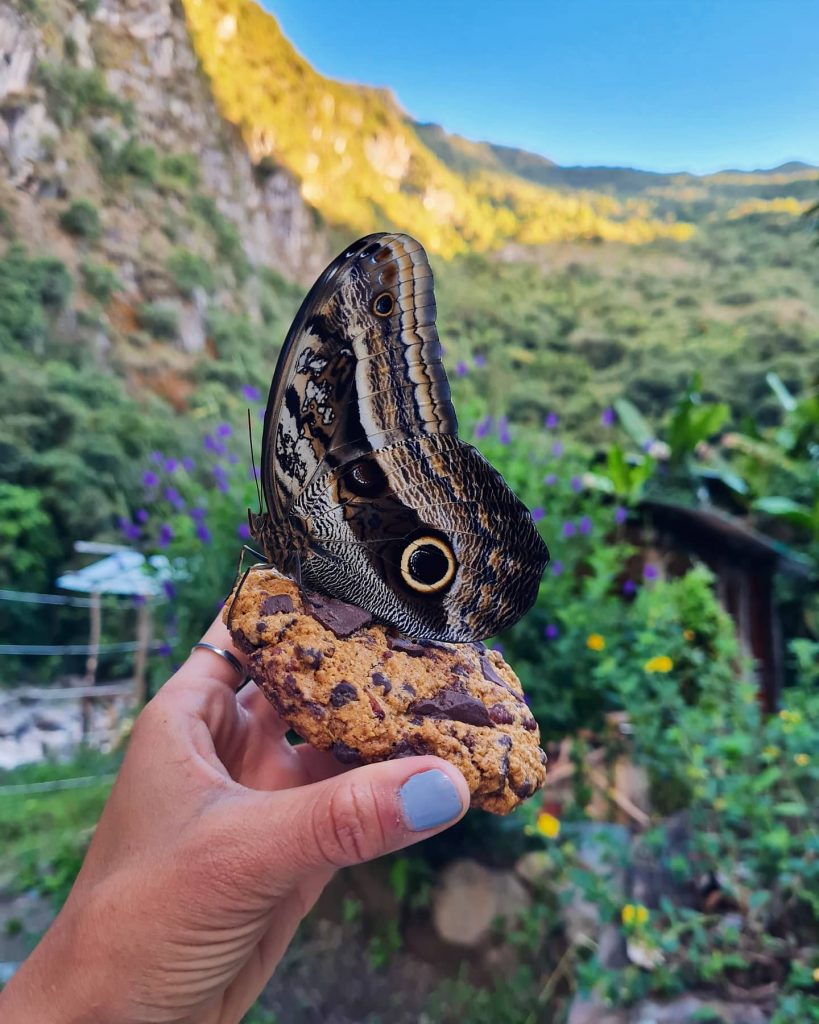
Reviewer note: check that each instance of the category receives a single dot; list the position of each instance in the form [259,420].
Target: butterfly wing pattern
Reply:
[370,492]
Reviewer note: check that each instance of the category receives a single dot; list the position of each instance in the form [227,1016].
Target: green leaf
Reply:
[791,809]
[633,422]
[786,399]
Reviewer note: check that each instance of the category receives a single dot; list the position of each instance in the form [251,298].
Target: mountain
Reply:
[362,162]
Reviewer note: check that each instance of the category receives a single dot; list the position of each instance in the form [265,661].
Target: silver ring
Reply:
[231,659]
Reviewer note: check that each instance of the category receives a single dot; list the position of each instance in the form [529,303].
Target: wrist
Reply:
[59,982]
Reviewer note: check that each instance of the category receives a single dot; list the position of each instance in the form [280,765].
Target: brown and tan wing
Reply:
[360,368]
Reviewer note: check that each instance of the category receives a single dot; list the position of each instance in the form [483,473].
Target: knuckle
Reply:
[349,830]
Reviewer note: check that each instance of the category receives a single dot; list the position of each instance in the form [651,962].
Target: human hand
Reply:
[215,842]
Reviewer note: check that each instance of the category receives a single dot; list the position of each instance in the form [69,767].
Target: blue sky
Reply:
[693,85]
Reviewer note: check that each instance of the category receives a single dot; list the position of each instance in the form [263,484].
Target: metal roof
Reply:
[123,572]
[702,526]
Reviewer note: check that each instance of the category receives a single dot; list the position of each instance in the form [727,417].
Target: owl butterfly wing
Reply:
[360,368]
[427,536]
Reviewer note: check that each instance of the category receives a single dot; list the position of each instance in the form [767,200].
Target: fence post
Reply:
[141,657]
[92,661]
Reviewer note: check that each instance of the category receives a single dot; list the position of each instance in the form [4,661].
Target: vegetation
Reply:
[82,220]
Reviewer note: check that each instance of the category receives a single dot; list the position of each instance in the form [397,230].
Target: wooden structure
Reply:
[744,563]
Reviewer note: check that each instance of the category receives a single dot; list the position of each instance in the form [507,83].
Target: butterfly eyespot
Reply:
[428,565]
[365,478]
[384,304]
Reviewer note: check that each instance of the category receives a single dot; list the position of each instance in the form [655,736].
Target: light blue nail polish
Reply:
[429,800]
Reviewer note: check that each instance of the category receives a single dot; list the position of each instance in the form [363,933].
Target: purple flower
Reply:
[157,457]
[551,632]
[137,600]
[243,530]
[585,526]
[577,484]
[251,394]
[128,529]
[253,473]
[482,427]
[629,588]
[174,498]
[461,369]
[646,446]
[557,567]
[222,485]
[538,513]
[620,515]
[141,515]
[479,361]
[188,464]
[197,513]
[551,421]
[212,445]
[219,470]
[503,431]
[557,449]
[203,533]
[650,572]
[149,478]
[224,430]
[165,535]
[550,479]
[607,418]
[171,465]
[569,529]
[169,589]
[163,650]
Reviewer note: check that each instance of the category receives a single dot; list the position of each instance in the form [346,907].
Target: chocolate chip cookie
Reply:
[362,691]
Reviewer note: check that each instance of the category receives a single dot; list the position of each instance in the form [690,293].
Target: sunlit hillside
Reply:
[362,162]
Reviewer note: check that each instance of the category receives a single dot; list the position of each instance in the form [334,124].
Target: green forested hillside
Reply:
[146,254]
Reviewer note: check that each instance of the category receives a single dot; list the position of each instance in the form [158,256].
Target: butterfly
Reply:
[371,496]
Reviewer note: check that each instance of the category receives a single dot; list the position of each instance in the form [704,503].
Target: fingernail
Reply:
[430,799]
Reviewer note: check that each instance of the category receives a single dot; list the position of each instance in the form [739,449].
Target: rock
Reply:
[192,329]
[687,1009]
[602,849]
[591,1011]
[470,897]
[79,31]
[535,867]
[17,52]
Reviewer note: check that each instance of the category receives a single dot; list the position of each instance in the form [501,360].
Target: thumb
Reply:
[361,814]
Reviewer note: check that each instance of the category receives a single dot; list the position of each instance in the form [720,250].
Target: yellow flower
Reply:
[548,825]
[662,663]
[634,914]
[793,717]
[720,804]
[596,642]
[803,760]
[815,975]
[689,634]
[771,752]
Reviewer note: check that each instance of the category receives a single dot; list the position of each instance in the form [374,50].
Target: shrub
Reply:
[180,170]
[82,220]
[228,241]
[72,92]
[158,319]
[30,290]
[100,281]
[190,271]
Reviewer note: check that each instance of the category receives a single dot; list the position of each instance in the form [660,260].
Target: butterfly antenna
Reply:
[253,460]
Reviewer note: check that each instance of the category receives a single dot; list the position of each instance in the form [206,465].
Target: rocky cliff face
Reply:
[116,165]
[142,50]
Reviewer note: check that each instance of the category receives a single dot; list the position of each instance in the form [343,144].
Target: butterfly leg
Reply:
[238,589]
